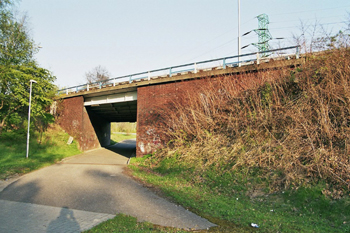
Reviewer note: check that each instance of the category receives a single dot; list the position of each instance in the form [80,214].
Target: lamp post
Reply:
[30,101]
[239,33]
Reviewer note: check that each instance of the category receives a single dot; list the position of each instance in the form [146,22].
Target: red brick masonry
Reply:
[74,119]
[151,99]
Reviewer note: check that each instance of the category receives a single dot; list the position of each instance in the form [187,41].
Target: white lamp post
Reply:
[239,33]
[30,101]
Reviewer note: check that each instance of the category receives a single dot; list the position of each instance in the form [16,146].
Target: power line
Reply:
[319,24]
[323,9]
[208,51]
[317,18]
[279,28]
[228,31]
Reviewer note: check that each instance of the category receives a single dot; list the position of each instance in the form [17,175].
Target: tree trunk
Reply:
[1,127]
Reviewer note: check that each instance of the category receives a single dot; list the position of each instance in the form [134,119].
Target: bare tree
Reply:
[316,37]
[97,74]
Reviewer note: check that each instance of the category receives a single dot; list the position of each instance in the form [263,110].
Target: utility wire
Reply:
[321,24]
[208,51]
[317,18]
[280,28]
[323,9]
[229,31]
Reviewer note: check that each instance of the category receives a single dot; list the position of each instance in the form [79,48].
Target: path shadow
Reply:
[21,192]
[65,222]
[125,148]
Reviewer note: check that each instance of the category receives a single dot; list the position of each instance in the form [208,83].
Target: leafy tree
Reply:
[14,92]
[97,74]
[17,67]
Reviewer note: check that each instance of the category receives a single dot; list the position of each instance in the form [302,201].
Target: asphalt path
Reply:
[92,183]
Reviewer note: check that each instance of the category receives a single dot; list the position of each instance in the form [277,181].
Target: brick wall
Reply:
[74,119]
[151,99]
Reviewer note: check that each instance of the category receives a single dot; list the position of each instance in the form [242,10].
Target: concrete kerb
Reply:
[7,182]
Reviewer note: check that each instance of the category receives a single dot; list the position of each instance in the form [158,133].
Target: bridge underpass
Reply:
[88,109]
[102,110]
[115,112]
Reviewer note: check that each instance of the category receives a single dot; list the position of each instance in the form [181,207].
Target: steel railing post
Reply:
[297,52]
[224,63]
[257,58]
[170,72]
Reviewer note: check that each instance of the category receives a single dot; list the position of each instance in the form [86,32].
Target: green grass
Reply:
[13,151]
[123,223]
[234,201]
[126,127]
[118,137]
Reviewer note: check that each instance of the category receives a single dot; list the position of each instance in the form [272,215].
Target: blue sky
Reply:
[134,36]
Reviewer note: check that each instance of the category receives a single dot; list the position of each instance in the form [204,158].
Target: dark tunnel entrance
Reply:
[101,117]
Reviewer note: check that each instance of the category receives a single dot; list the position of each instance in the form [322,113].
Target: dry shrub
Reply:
[293,125]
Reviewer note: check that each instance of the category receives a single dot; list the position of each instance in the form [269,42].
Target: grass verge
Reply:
[126,127]
[236,200]
[118,137]
[53,148]
[124,223]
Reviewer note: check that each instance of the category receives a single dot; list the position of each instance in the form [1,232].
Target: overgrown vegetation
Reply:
[50,149]
[270,147]
[291,131]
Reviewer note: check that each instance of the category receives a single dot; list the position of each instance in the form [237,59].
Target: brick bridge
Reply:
[86,111]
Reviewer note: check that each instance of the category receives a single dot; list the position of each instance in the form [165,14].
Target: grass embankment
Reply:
[274,151]
[235,200]
[53,148]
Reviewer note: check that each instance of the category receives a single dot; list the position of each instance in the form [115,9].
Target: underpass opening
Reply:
[123,138]
[103,114]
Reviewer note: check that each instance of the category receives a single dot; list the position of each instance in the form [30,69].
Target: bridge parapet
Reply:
[185,69]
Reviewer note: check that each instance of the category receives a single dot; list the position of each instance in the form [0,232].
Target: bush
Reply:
[291,125]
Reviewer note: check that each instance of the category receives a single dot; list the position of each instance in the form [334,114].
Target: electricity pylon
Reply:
[263,34]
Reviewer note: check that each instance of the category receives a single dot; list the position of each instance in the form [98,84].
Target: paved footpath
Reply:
[83,191]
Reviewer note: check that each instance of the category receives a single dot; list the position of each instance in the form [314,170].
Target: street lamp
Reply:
[30,101]
[239,33]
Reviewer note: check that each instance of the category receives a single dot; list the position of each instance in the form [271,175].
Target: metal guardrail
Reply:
[185,68]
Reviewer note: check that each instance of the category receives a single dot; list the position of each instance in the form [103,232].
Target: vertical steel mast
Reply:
[239,33]
[263,34]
